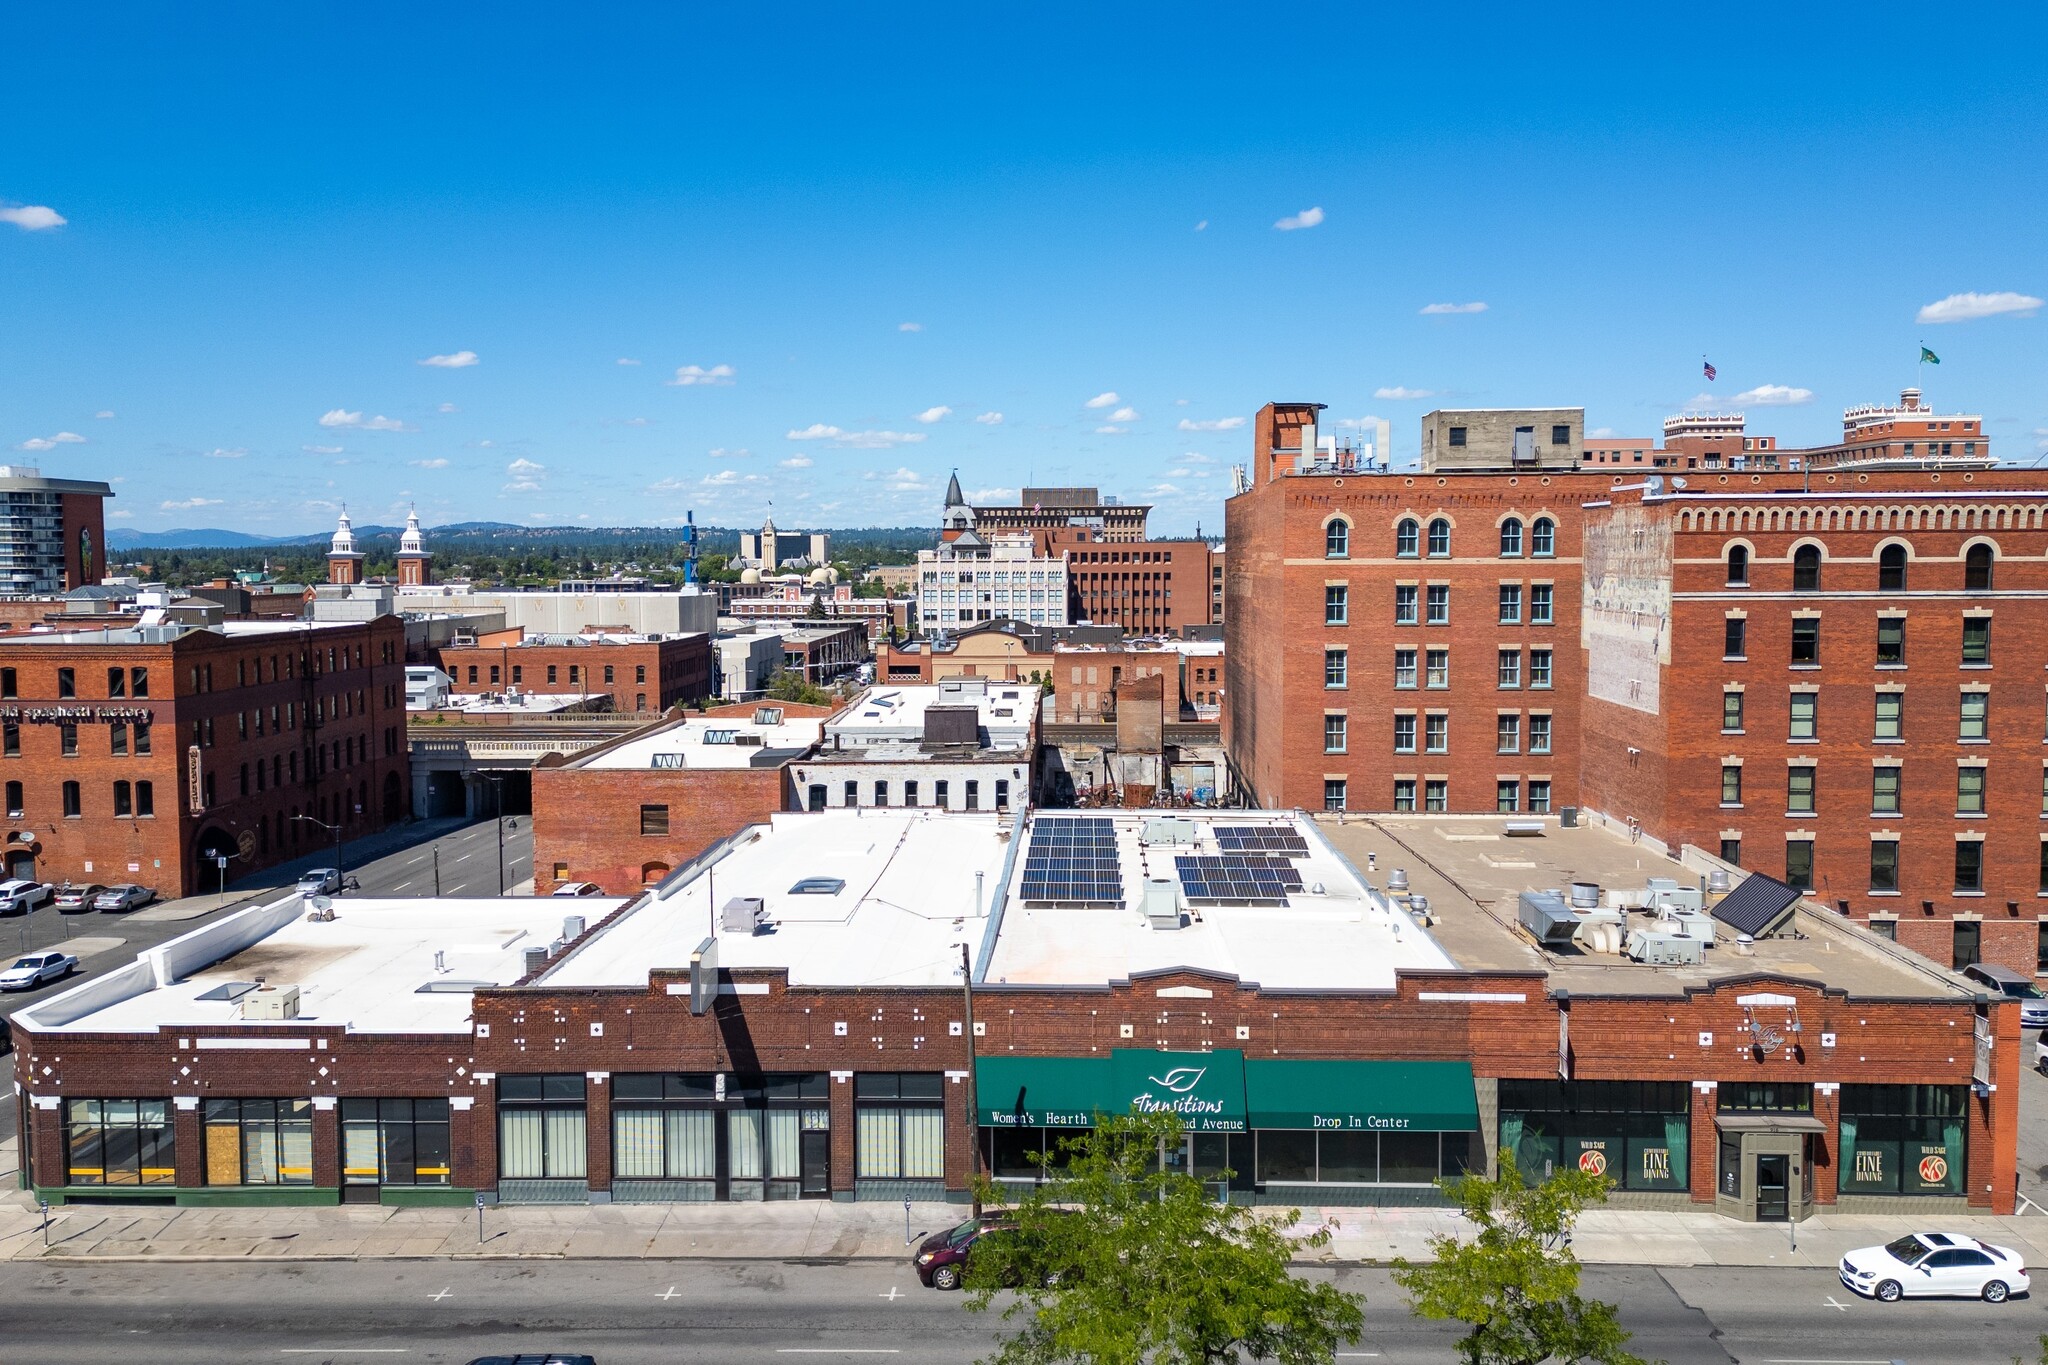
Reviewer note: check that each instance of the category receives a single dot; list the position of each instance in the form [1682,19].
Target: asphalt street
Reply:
[637,1313]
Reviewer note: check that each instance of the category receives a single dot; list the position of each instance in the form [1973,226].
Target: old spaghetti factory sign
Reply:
[74,715]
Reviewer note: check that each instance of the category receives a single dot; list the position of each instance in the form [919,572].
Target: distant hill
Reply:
[500,535]
[124,538]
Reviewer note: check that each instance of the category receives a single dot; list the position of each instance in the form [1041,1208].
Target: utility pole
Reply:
[967,1031]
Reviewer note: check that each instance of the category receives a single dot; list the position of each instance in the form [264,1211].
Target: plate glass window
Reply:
[119,1142]
[259,1142]
[395,1142]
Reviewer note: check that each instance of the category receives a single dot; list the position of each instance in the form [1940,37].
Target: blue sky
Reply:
[868,227]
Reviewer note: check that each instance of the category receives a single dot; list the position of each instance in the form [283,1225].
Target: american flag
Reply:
[1708,367]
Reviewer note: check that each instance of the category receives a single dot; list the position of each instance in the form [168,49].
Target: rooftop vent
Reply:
[1162,902]
[742,915]
[572,928]
[271,1002]
[536,960]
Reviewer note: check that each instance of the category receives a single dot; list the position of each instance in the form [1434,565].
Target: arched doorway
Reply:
[213,844]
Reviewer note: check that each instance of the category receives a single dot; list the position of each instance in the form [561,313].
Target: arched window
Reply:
[1738,565]
[1543,538]
[1806,569]
[1337,539]
[1439,538]
[1891,569]
[1510,539]
[1407,539]
[1977,568]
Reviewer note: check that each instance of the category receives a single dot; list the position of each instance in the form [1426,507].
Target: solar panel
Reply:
[1073,860]
[1261,839]
[1758,906]
[1240,878]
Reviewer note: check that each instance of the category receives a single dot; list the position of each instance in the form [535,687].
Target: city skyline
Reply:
[609,273]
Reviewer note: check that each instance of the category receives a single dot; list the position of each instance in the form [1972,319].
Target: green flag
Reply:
[1928,357]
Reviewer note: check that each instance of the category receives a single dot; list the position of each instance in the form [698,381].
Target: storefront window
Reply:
[1636,1133]
[742,1140]
[259,1142]
[1903,1139]
[394,1142]
[1286,1157]
[1765,1097]
[540,1128]
[118,1142]
[899,1125]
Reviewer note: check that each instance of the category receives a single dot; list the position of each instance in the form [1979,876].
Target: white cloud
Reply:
[226,453]
[992,496]
[1102,400]
[321,450]
[1398,391]
[856,440]
[900,480]
[123,515]
[1197,457]
[521,486]
[1307,218]
[1109,431]
[459,360]
[1202,226]
[721,453]
[625,360]
[428,464]
[32,217]
[1774,396]
[910,327]
[930,415]
[688,376]
[637,422]
[104,414]
[341,417]
[189,503]
[447,407]
[1440,309]
[1211,424]
[722,478]
[1124,415]
[62,438]
[1601,432]
[797,462]
[1161,490]
[1969,307]
[524,466]
[990,419]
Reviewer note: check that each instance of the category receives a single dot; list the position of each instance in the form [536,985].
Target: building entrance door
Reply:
[1772,1202]
[21,865]
[817,1165]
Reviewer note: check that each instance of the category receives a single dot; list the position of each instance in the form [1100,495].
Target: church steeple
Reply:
[344,560]
[412,553]
[958,516]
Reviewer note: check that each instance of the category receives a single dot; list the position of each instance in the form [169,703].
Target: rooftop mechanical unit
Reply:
[742,915]
[1665,950]
[1760,907]
[1545,914]
[1162,902]
[271,1002]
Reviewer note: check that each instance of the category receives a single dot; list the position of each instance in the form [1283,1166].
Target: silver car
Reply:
[34,969]
[123,896]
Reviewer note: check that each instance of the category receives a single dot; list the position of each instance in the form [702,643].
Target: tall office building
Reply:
[52,532]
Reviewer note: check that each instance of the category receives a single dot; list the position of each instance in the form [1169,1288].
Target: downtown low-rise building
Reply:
[882,1003]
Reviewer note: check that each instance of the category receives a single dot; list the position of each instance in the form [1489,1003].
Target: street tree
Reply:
[1517,1282]
[1117,1262]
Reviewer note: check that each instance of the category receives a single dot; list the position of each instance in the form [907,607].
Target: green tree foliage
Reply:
[1116,1262]
[1517,1282]
[784,685]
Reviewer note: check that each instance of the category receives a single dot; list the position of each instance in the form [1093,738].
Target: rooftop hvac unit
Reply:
[1585,895]
[1162,902]
[1665,950]
[1695,924]
[271,1002]
[572,928]
[1167,829]
[742,915]
[1568,817]
[1544,914]
[1677,898]
[536,960]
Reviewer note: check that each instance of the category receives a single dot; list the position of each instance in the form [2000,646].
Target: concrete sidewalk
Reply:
[827,1231]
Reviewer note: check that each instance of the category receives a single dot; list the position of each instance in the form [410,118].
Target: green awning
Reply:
[1205,1088]
[1050,1092]
[1360,1096]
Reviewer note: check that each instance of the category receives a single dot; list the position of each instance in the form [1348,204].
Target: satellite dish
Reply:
[1677,482]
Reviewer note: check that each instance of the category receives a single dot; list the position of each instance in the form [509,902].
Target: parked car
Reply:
[1935,1265]
[123,896]
[536,1358]
[2041,1054]
[32,970]
[319,881]
[18,897]
[579,889]
[941,1259]
[2010,984]
[73,898]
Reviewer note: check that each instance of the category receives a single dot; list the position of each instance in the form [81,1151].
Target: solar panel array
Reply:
[1073,860]
[1236,878]
[1261,839]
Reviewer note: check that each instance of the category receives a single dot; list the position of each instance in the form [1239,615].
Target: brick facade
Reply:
[637,674]
[286,723]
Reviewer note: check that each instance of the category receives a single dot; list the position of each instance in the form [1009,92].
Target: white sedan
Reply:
[33,970]
[1935,1265]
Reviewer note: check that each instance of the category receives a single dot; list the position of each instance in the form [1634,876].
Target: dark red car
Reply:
[941,1259]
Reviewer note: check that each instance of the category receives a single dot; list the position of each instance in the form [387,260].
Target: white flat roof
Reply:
[887,721]
[361,971]
[1336,933]
[495,703]
[905,909]
[695,742]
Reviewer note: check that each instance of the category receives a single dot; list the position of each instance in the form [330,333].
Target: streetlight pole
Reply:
[498,817]
[335,830]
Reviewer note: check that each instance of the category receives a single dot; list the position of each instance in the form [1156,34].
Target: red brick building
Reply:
[1402,642]
[611,1060]
[638,672]
[139,754]
[624,814]
[1148,587]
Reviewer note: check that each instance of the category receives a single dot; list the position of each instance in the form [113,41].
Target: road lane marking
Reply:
[1838,1307]
[873,1351]
[671,1293]
[345,1351]
[893,1294]
[445,1292]
[1831,1362]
